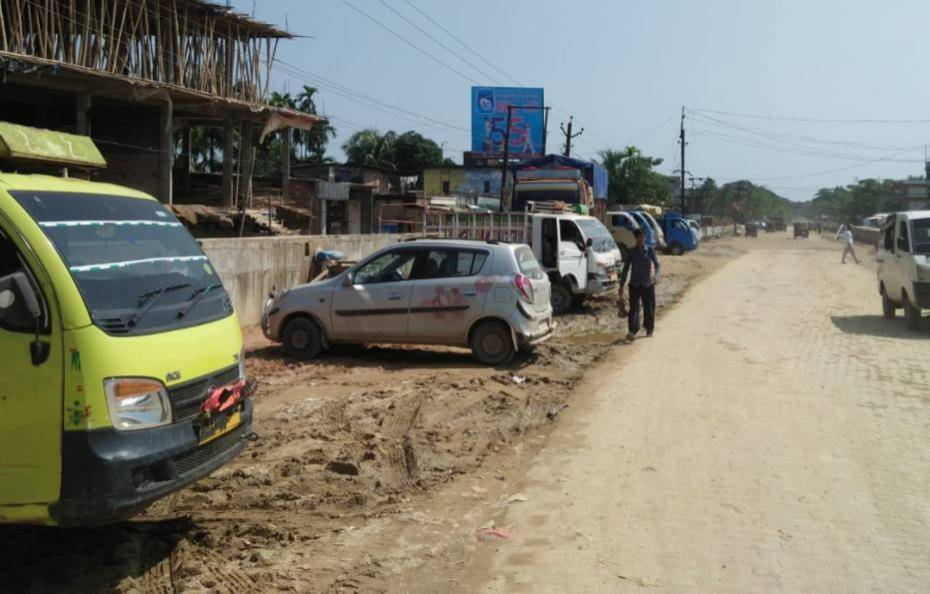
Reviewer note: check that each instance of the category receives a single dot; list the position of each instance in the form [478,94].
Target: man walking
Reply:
[846,233]
[642,260]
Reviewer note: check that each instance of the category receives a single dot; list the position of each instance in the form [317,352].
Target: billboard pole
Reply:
[506,156]
[546,132]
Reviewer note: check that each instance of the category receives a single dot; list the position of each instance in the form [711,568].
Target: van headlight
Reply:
[137,403]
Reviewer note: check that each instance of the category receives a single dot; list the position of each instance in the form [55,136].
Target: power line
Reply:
[410,43]
[463,44]
[816,173]
[816,120]
[437,42]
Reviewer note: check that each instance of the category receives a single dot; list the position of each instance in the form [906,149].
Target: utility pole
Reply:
[568,135]
[681,139]
[545,130]
[506,156]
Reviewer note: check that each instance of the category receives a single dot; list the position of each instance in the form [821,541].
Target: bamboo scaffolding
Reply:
[186,43]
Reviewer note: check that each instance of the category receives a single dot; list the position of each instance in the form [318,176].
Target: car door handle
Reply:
[395,296]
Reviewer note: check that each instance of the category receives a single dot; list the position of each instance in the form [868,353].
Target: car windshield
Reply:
[601,239]
[134,264]
[921,236]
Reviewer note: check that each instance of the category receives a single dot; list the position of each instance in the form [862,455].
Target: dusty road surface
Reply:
[772,436]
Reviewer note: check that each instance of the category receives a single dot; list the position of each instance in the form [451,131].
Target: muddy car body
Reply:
[491,297]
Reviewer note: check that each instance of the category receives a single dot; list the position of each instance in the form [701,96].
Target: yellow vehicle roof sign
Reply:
[22,143]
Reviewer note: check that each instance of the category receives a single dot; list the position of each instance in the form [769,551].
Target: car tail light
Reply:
[524,287]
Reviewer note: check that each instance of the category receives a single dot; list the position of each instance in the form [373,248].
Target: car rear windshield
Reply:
[921,236]
[136,267]
[527,263]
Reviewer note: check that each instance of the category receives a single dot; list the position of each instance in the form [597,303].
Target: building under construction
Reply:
[135,74]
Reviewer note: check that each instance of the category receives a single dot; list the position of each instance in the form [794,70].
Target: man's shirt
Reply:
[640,259]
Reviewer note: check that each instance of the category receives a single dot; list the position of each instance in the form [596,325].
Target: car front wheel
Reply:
[302,339]
[491,344]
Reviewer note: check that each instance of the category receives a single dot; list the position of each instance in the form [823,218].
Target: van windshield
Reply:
[921,236]
[601,239]
[138,270]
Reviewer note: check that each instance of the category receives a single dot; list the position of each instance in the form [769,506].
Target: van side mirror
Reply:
[16,287]
[589,243]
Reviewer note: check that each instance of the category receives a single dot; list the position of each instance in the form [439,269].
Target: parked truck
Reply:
[679,236]
[576,251]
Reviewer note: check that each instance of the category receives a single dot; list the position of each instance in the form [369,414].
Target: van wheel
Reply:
[302,339]
[911,314]
[561,298]
[888,308]
[677,249]
[492,344]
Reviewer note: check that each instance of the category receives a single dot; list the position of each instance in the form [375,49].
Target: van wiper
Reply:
[195,299]
[148,299]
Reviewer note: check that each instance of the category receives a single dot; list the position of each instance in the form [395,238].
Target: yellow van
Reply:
[121,370]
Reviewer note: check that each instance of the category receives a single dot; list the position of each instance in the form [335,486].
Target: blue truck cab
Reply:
[679,236]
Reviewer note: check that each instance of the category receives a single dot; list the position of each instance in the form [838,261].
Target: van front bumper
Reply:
[109,476]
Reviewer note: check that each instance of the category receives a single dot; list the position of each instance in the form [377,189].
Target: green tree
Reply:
[413,152]
[370,147]
[311,142]
[631,178]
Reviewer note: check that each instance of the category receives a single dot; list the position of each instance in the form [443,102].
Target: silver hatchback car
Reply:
[489,296]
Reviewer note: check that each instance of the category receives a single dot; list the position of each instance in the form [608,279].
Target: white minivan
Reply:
[904,265]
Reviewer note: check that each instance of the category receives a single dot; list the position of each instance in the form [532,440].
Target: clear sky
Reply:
[625,68]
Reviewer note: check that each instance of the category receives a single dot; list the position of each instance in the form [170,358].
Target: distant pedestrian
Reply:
[643,279]
[845,232]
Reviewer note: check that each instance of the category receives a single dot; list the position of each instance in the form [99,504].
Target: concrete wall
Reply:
[252,267]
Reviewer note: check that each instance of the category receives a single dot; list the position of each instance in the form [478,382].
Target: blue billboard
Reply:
[489,121]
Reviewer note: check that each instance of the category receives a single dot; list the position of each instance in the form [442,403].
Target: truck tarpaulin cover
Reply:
[593,172]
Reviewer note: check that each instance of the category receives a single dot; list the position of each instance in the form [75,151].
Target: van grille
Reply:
[203,455]
[187,398]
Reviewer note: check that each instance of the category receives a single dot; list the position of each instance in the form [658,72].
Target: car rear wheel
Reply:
[888,308]
[302,339]
[491,344]
[911,314]
[561,298]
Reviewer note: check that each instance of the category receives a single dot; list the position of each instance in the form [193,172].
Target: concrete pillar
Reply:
[285,163]
[186,160]
[166,184]
[245,164]
[229,199]
[81,116]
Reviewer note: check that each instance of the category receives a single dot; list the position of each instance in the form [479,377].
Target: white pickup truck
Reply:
[576,251]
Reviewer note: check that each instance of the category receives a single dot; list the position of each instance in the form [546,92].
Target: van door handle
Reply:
[395,296]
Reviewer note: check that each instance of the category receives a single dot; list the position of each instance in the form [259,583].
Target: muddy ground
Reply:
[364,434]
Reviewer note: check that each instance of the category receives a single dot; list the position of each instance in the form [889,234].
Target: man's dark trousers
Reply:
[648,297]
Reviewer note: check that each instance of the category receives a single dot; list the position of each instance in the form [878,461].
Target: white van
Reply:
[578,253]
[904,265]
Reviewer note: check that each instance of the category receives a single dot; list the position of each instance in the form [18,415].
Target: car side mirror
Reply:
[347,280]
[15,287]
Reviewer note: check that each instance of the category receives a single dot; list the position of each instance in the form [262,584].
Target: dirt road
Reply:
[772,436]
